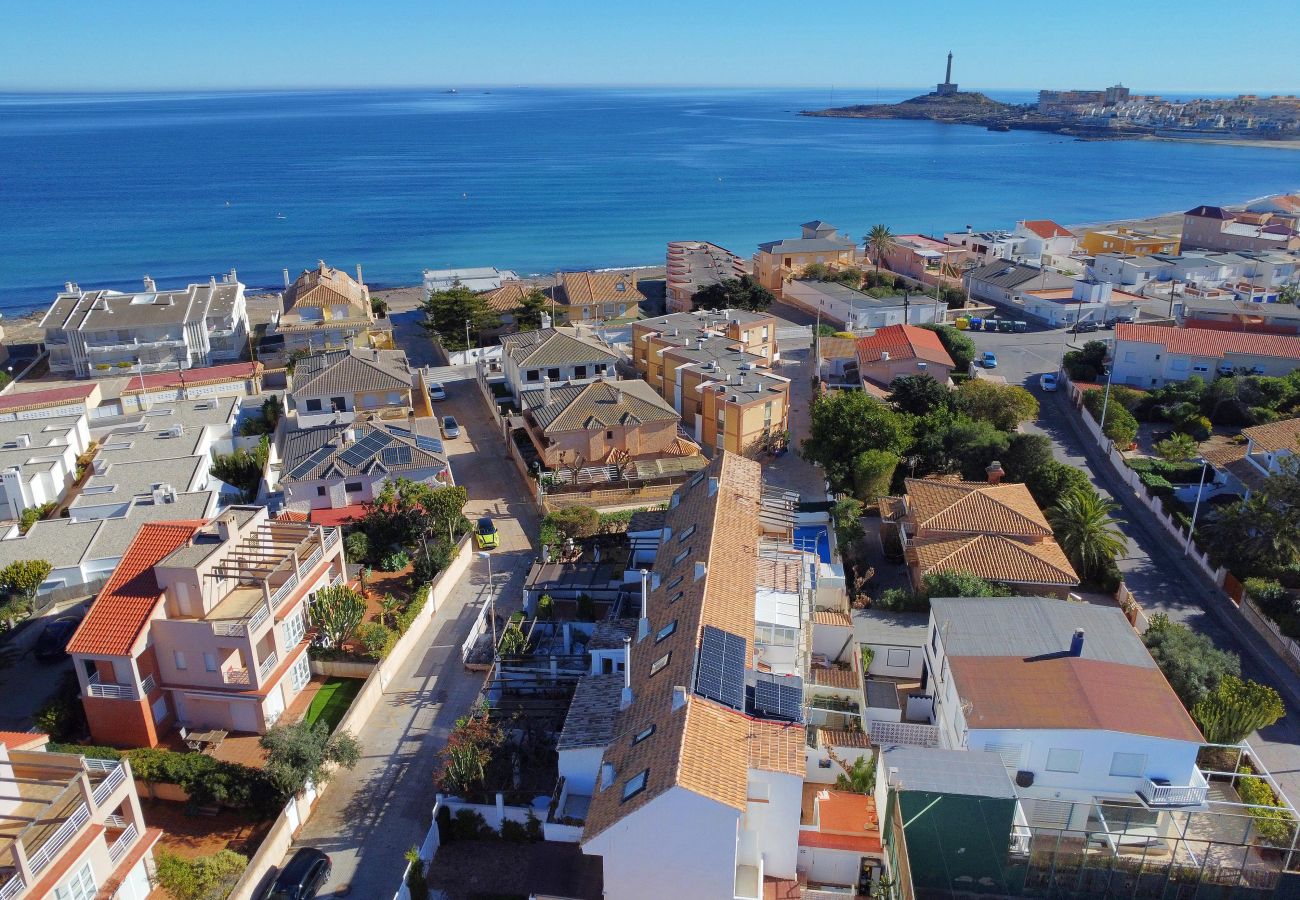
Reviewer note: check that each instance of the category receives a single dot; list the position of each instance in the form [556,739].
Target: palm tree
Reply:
[880,240]
[1085,530]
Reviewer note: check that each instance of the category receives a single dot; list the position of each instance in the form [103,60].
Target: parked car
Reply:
[450,427]
[486,535]
[1119,320]
[1048,381]
[436,391]
[302,876]
[50,646]
[1084,327]
[989,360]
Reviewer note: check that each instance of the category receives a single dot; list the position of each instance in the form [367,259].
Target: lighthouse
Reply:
[947,88]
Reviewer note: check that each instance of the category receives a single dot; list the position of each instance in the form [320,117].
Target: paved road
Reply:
[371,815]
[1154,567]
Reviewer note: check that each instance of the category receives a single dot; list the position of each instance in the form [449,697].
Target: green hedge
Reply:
[1157,485]
[1274,825]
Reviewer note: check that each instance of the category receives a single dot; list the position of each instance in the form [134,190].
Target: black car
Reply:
[50,646]
[1084,327]
[301,877]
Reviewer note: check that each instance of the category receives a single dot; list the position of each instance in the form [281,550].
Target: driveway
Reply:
[369,816]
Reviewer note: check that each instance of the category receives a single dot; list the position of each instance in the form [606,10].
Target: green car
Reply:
[485,534]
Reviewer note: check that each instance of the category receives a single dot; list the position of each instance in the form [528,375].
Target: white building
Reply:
[1043,241]
[1130,271]
[101,333]
[38,460]
[853,310]
[561,355]
[1149,356]
[480,278]
[985,246]
[1004,283]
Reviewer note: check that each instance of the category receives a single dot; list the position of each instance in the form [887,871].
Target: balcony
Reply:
[119,847]
[97,688]
[267,667]
[1159,792]
[267,564]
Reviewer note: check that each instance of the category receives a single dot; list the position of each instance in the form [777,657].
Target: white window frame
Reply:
[178,657]
[1060,759]
[80,886]
[300,674]
[1128,765]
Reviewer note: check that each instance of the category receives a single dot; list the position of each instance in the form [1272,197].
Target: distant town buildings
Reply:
[1150,356]
[1127,241]
[1214,228]
[693,266]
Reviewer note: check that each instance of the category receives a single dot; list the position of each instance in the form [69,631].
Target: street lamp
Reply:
[467,338]
[492,606]
[1200,489]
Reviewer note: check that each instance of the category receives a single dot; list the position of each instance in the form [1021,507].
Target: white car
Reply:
[1047,381]
[436,391]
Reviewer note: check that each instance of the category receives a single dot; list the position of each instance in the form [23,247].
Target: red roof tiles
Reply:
[1209,342]
[126,602]
[52,397]
[903,342]
[192,377]
[1046,228]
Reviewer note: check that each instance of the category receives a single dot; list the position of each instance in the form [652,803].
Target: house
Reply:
[603,422]
[75,399]
[101,332]
[142,393]
[1242,468]
[983,247]
[561,354]
[1085,300]
[592,297]
[325,309]
[478,278]
[837,362]
[923,258]
[1042,240]
[336,385]
[347,464]
[1128,241]
[1151,356]
[1130,271]
[202,625]
[897,350]
[854,310]
[71,826]
[1004,283]
[896,641]
[989,529]
[695,265]
[1237,315]
[38,460]
[1215,228]
[506,300]
[777,262]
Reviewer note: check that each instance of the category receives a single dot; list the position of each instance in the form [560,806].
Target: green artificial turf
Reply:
[332,701]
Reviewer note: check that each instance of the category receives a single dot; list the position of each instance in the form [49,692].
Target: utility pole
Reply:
[1187,548]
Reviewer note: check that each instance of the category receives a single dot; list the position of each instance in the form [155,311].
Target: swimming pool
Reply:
[814,538]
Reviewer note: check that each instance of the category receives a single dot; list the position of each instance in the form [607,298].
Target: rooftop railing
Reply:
[50,849]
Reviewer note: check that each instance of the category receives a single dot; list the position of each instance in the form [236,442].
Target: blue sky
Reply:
[1195,45]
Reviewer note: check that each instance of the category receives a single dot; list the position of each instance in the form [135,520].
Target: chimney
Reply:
[643,627]
[618,394]
[286,278]
[546,320]
[23,441]
[359,281]
[234,277]
[69,287]
[994,472]
[149,285]
[699,343]
[884,356]
[970,230]
[679,696]
[627,674]
[1076,643]
[226,529]
[352,342]
[546,390]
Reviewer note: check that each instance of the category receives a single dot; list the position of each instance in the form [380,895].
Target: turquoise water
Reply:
[101,189]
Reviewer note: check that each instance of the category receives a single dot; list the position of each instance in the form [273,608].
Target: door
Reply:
[243,716]
[274,706]
[159,708]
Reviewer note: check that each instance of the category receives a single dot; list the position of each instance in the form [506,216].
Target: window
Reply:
[685,534]
[314,405]
[657,666]
[320,490]
[352,487]
[934,640]
[394,398]
[635,784]
[533,375]
[609,435]
[1178,365]
[898,658]
[210,662]
[666,631]
[1059,760]
[294,628]
[179,658]
[1201,368]
[677,596]
[579,371]
[676,581]
[370,401]
[82,885]
[1128,765]
[553,374]
[642,734]
[681,556]
[300,673]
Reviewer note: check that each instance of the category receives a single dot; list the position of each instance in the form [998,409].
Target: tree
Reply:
[200,878]
[446,312]
[300,753]
[846,515]
[1176,448]
[945,442]
[1119,424]
[1191,663]
[1053,480]
[1026,454]
[379,306]
[858,776]
[1261,535]
[873,472]
[1082,522]
[1088,364]
[1236,709]
[531,308]
[880,242]
[846,424]
[734,293]
[20,580]
[445,508]
[919,394]
[947,583]
[573,522]
[243,469]
[467,753]
[337,610]
[357,547]
[404,511]
[957,343]
[1004,405]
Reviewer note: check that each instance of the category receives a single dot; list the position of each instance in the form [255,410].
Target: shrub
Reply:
[514,832]
[208,780]
[407,617]
[202,878]
[89,751]
[901,600]
[416,885]
[573,522]
[1274,825]
[395,562]
[1158,486]
[1120,426]
[357,547]
[1270,597]
[545,608]
[468,825]
[63,717]
[377,639]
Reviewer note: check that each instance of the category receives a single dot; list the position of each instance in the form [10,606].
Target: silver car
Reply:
[450,428]
[436,391]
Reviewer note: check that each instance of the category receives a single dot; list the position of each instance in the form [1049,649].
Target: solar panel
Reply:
[311,462]
[720,675]
[365,448]
[424,443]
[396,456]
[779,698]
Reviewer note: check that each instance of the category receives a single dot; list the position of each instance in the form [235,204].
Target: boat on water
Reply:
[279,215]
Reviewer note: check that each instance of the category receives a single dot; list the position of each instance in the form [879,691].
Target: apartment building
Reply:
[1215,228]
[324,308]
[73,400]
[591,297]
[203,624]
[853,310]
[100,333]
[563,355]
[923,258]
[897,350]
[38,460]
[344,465]
[1238,315]
[753,332]
[1129,241]
[1151,356]
[984,247]
[993,530]
[337,385]
[71,827]
[476,278]
[778,262]
[695,265]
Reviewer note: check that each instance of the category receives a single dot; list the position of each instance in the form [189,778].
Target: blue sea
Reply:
[103,188]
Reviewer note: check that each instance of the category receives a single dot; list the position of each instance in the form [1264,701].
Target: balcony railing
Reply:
[13,887]
[50,849]
[312,559]
[123,843]
[284,590]
[114,822]
[267,666]
[1160,793]
[235,676]
[242,627]
[148,684]
[96,688]
[105,788]
[907,734]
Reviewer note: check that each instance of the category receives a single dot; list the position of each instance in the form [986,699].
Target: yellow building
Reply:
[777,262]
[1128,240]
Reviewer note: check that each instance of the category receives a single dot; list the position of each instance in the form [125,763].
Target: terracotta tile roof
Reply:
[1046,228]
[844,812]
[838,347]
[1209,342]
[347,371]
[995,557]
[554,347]
[1283,435]
[194,377]
[509,297]
[1220,455]
[1069,692]
[974,507]
[863,844]
[842,737]
[122,608]
[584,288]
[777,747]
[892,507]
[23,740]
[829,676]
[16,400]
[902,342]
[832,617]
[778,574]
[289,515]
[592,713]
[326,286]
[597,405]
